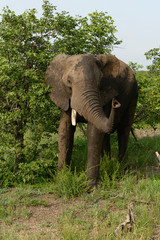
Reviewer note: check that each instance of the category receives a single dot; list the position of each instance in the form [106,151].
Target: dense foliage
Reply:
[24,103]
[27,116]
[154,55]
[148,109]
[149,84]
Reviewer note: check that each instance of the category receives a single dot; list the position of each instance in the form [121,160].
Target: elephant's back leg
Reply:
[106,147]
[124,128]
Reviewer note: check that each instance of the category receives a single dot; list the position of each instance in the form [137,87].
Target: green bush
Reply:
[36,171]
[110,171]
[149,99]
[69,184]
[40,163]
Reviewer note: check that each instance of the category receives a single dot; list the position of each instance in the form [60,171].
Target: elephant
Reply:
[99,90]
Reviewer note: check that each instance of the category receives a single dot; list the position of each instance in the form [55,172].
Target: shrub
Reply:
[69,184]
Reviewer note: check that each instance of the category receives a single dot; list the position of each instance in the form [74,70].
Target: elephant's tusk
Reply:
[73,117]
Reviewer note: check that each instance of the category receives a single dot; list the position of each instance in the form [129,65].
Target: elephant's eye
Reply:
[69,81]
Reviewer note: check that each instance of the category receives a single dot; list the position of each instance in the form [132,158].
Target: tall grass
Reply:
[140,159]
[69,184]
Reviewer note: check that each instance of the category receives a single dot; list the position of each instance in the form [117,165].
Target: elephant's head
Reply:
[76,83]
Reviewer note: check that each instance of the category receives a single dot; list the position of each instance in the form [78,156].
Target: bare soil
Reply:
[46,220]
[140,133]
[42,220]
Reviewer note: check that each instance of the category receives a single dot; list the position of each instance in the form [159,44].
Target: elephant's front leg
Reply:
[95,139]
[65,139]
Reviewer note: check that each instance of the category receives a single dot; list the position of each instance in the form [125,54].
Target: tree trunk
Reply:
[19,140]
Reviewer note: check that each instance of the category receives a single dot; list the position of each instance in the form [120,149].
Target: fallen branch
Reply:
[128,224]
[158,157]
[130,199]
[156,234]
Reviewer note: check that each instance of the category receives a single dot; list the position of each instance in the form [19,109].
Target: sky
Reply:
[137,22]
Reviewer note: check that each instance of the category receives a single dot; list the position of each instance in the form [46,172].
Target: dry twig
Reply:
[116,195]
[128,224]
[156,234]
[158,157]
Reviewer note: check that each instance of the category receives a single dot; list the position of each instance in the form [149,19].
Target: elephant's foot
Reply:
[91,185]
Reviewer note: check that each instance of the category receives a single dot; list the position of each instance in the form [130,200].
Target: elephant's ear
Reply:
[110,67]
[60,93]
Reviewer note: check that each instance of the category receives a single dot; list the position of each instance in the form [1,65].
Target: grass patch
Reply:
[90,216]
[61,208]
[101,212]
[141,153]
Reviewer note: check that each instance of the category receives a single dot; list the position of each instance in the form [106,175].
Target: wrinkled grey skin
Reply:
[103,91]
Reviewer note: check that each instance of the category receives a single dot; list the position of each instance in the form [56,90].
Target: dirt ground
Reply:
[43,219]
[140,133]
[47,219]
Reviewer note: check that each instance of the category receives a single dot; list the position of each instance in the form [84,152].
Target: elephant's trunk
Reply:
[88,105]
[103,123]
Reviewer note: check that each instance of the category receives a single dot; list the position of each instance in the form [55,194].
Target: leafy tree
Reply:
[99,31]
[27,45]
[135,66]
[149,85]
[93,34]
[154,55]
[25,51]
[149,99]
